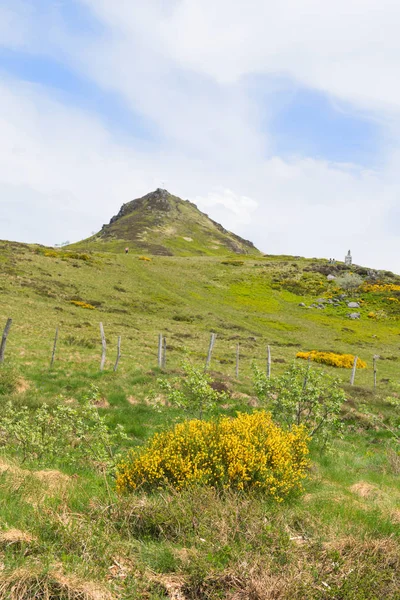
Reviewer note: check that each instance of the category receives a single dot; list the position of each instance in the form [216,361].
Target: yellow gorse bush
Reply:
[332,359]
[243,453]
[380,287]
[82,304]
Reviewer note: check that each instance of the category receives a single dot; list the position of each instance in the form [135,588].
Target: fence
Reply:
[162,353]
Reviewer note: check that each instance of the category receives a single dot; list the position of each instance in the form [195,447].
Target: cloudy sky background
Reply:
[280,119]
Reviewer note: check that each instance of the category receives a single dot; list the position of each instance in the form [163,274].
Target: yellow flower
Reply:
[249,451]
[331,358]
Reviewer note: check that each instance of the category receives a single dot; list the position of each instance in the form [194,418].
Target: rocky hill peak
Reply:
[161,223]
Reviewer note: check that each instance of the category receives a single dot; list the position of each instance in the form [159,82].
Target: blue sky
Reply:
[280,119]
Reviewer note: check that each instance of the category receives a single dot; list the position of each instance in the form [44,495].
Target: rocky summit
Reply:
[161,223]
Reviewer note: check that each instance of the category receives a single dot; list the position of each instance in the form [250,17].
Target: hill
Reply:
[66,533]
[162,224]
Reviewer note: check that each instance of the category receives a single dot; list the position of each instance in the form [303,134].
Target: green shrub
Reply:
[62,433]
[193,392]
[303,396]
[349,282]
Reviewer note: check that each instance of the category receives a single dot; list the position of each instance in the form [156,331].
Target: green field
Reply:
[75,538]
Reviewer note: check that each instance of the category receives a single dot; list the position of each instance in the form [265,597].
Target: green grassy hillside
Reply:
[162,224]
[253,301]
[65,532]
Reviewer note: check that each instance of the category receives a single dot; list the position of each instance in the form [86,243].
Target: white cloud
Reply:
[227,207]
[349,48]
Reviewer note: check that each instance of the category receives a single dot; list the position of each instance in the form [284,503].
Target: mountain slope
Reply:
[162,224]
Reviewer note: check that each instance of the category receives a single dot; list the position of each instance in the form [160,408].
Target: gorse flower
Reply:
[82,304]
[332,359]
[243,453]
[380,287]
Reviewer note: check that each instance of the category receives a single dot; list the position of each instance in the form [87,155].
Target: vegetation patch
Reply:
[244,453]
[48,584]
[233,263]
[64,255]
[9,379]
[82,304]
[332,359]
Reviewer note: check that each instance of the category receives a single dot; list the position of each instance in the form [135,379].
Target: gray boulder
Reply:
[354,315]
[301,304]
[353,305]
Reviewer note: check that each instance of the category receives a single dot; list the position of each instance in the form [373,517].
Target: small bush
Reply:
[8,379]
[184,318]
[233,263]
[63,255]
[82,304]
[69,434]
[332,359]
[71,340]
[349,282]
[244,453]
[302,396]
[196,392]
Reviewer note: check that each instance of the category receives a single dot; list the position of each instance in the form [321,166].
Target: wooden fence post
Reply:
[118,353]
[210,349]
[53,354]
[268,362]
[160,345]
[4,339]
[164,354]
[353,371]
[237,360]
[104,347]
[375,359]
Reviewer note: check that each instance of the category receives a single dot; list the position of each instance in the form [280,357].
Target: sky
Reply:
[280,119]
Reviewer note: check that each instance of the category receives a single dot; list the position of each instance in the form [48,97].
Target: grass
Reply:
[338,540]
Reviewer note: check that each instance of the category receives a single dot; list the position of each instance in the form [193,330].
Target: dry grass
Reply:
[15,536]
[31,583]
[393,458]
[22,385]
[171,585]
[365,490]
[53,481]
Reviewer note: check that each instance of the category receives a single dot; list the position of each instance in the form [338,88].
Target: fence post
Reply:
[353,371]
[164,355]
[375,359]
[118,353]
[237,360]
[268,362]
[104,347]
[4,339]
[210,349]
[160,345]
[53,354]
